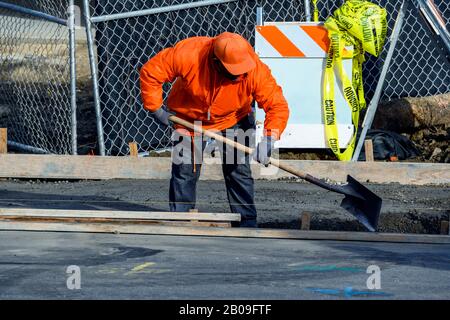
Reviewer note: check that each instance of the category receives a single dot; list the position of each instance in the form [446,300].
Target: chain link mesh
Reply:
[34,63]
[35,77]
[124,45]
[417,68]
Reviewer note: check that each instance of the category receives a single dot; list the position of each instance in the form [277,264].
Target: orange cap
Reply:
[232,50]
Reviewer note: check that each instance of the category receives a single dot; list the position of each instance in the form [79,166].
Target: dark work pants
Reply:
[236,171]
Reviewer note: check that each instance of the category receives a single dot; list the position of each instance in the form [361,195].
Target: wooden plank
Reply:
[142,215]
[3,140]
[96,167]
[305,221]
[83,167]
[180,223]
[133,149]
[225,232]
[368,150]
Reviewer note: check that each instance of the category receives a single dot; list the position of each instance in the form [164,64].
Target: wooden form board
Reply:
[223,232]
[133,149]
[3,140]
[96,167]
[368,148]
[127,215]
[172,223]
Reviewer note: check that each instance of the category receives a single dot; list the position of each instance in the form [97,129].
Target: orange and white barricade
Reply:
[296,53]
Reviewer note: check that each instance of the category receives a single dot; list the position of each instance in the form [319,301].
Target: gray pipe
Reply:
[147,12]
[34,13]
[27,148]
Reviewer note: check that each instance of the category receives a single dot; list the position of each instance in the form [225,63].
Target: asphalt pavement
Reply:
[45,265]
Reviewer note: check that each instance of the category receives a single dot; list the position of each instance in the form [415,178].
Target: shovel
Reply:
[359,201]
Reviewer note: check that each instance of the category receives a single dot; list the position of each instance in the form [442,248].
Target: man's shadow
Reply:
[18,199]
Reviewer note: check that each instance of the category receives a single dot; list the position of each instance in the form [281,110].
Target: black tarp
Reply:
[387,144]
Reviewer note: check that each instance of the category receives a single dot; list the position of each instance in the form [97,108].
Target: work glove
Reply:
[264,150]
[163,116]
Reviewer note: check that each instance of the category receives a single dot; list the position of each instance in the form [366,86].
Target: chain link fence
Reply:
[417,68]
[35,70]
[125,43]
[35,91]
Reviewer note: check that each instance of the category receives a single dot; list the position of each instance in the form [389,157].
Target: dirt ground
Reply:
[411,209]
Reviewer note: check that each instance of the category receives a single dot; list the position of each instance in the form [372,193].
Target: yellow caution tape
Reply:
[316,11]
[363,25]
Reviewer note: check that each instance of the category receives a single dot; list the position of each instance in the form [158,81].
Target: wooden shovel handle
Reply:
[211,134]
[236,145]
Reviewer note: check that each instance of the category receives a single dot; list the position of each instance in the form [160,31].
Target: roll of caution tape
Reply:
[363,25]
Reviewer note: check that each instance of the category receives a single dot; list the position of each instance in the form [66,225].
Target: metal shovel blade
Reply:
[359,201]
[365,207]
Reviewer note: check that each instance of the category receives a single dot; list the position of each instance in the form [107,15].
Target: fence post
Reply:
[307,5]
[93,64]
[372,108]
[259,16]
[73,75]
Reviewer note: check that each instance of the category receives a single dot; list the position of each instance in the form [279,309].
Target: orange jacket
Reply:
[201,93]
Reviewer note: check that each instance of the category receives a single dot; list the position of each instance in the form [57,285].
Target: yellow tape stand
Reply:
[362,25]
